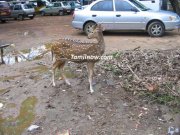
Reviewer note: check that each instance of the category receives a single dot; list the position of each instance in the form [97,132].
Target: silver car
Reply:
[21,11]
[125,15]
[56,8]
[53,9]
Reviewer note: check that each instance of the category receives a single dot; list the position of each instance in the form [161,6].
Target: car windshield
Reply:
[27,6]
[139,5]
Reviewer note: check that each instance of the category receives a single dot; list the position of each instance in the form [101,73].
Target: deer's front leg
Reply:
[90,66]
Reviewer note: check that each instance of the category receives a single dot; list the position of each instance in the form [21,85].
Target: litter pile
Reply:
[153,74]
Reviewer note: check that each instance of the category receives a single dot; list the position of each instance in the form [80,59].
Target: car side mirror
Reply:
[134,9]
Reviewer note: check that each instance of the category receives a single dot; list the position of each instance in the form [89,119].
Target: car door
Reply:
[56,8]
[16,11]
[127,16]
[102,12]
[48,9]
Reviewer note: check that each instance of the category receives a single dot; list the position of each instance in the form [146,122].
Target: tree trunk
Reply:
[175,6]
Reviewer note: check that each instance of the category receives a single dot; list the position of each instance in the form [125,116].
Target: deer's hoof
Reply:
[91,91]
[68,83]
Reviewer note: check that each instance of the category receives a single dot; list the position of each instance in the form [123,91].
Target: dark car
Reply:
[5,11]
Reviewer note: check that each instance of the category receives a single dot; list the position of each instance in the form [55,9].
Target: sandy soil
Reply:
[109,111]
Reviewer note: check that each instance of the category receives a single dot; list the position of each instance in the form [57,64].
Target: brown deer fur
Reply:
[63,50]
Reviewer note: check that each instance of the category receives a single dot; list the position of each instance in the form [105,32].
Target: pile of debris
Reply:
[156,72]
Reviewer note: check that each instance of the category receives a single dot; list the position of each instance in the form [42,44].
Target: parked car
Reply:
[74,5]
[21,11]
[125,15]
[56,8]
[66,7]
[4,11]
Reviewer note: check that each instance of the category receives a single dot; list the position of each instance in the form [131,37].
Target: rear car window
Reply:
[106,5]
[27,6]
[17,7]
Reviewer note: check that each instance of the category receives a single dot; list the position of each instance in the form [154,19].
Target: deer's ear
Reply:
[101,27]
[94,26]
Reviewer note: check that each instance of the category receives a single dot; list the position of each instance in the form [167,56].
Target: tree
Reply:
[176,6]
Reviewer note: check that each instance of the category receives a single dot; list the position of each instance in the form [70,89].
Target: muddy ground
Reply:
[28,98]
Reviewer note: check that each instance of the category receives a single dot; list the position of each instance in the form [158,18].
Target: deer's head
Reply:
[97,32]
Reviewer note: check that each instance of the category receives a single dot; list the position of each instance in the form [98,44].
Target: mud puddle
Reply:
[15,126]
[13,56]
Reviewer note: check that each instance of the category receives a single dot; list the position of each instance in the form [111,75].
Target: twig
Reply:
[5,92]
[137,48]
[173,92]
[133,73]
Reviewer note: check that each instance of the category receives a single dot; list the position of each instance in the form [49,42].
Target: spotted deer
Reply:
[63,50]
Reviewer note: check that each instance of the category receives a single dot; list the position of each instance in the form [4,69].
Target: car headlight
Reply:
[173,18]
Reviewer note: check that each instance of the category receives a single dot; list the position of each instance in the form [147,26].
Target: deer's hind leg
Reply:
[55,65]
[90,67]
[61,67]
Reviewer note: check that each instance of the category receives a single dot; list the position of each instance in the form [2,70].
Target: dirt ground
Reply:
[28,98]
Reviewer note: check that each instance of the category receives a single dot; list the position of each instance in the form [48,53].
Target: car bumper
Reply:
[172,25]
[77,25]
[4,17]
[30,14]
[68,11]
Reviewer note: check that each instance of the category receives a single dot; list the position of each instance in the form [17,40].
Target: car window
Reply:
[17,7]
[139,5]
[65,3]
[27,6]
[103,6]
[123,6]
[56,4]
[72,3]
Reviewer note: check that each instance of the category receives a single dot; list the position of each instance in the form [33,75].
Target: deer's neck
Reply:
[101,43]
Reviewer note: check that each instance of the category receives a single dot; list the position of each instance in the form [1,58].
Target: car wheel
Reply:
[42,13]
[61,13]
[88,28]
[21,17]
[3,21]
[156,29]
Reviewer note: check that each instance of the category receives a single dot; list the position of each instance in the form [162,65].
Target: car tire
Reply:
[88,28]
[42,13]
[61,13]
[156,29]
[21,17]
[3,21]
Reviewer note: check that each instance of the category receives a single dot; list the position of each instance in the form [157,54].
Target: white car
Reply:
[125,15]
